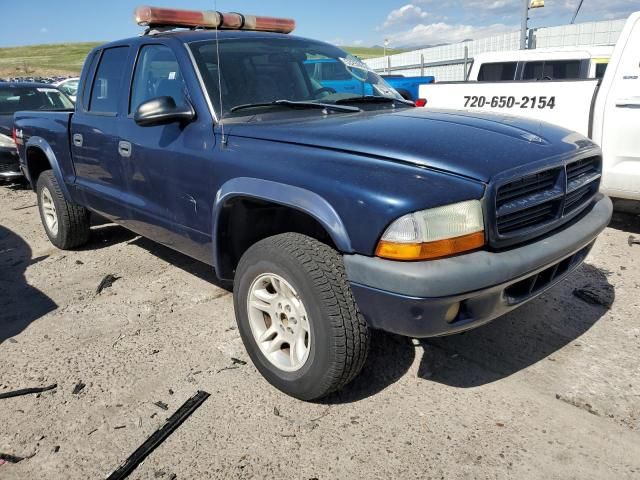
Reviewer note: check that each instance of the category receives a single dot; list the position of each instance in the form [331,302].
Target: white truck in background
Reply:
[594,91]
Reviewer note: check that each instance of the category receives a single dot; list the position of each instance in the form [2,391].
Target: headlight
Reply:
[434,233]
[7,142]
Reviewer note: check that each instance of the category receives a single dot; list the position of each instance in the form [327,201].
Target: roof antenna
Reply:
[220,20]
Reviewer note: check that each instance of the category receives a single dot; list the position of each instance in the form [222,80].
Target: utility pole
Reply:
[386,44]
[524,27]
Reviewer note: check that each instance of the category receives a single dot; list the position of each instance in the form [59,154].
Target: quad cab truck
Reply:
[594,91]
[321,206]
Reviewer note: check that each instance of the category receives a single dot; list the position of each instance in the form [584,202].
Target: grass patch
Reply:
[68,58]
[371,52]
[44,60]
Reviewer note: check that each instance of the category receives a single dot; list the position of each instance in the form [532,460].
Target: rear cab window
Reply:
[109,80]
[552,70]
[497,72]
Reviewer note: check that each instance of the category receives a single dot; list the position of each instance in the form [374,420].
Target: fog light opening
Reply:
[452,312]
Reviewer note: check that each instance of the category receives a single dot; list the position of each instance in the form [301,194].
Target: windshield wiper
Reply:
[374,99]
[292,104]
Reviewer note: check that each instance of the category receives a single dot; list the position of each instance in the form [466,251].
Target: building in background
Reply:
[447,62]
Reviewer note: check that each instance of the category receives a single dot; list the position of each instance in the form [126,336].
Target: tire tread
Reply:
[351,334]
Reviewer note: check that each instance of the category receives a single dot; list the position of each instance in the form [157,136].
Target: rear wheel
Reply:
[66,224]
[297,318]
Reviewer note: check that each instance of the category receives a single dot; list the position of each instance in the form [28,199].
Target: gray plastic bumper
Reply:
[413,298]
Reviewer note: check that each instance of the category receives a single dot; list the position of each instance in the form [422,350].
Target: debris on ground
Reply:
[8,458]
[161,405]
[27,391]
[578,403]
[106,282]
[190,406]
[591,297]
[227,368]
[276,412]
[324,414]
[633,241]
[78,388]
[237,361]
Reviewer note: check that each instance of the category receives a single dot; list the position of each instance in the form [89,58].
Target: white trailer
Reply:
[605,109]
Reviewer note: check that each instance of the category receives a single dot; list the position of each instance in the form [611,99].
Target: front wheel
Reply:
[66,224]
[297,317]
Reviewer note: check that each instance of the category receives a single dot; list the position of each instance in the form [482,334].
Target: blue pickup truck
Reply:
[333,213]
[331,74]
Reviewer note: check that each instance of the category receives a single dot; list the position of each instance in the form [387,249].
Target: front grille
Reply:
[523,218]
[9,163]
[527,186]
[531,286]
[544,198]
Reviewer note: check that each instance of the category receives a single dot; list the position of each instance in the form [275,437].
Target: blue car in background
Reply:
[332,75]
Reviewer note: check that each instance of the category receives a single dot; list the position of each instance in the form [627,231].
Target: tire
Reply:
[332,350]
[72,222]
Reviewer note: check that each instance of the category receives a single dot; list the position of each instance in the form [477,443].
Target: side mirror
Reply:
[161,111]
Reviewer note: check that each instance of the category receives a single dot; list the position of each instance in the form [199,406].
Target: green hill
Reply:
[67,58]
[44,60]
[370,52]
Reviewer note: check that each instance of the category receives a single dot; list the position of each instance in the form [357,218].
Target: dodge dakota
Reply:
[332,212]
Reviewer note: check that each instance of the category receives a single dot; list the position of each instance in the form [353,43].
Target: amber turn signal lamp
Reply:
[430,250]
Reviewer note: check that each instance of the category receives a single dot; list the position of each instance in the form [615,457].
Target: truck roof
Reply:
[188,36]
[559,53]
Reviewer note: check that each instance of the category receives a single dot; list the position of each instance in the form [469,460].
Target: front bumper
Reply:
[415,299]
[9,164]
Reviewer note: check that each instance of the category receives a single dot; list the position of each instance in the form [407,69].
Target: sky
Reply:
[342,22]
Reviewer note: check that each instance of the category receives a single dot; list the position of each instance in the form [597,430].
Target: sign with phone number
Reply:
[540,103]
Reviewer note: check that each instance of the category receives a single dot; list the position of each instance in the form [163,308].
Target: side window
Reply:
[86,88]
[108,81]
[497,72]
[601,69]
[157,75]
[554,70]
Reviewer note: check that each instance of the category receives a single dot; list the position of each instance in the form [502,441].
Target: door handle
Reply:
[78,140]
[629,102]
[124,149]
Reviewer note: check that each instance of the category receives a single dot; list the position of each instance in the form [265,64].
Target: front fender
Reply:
[295,197]
[41,144]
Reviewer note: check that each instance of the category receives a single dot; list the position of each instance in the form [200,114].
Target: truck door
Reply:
[617,116]
[94,135]
[169,169]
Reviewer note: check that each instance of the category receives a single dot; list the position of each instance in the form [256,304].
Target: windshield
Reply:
[69,87]
[13,100]
[261,71]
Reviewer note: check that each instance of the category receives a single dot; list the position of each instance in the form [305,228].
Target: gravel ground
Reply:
[549,391]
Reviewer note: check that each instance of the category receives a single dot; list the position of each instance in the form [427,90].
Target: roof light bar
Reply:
[168,17]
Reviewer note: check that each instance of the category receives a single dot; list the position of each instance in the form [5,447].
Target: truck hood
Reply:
[477,146]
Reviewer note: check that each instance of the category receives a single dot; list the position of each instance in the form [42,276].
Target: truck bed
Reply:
[566,103]
[33,127]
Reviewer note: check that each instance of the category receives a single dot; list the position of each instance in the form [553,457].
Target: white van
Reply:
[564,88]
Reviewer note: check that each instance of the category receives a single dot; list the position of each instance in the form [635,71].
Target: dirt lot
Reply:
[550,391]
